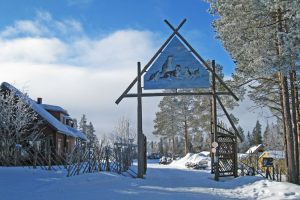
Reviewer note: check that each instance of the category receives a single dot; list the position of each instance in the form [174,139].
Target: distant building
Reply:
[255,149]
[278,159]
[59,129]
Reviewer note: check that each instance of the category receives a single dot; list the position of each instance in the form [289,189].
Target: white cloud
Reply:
[24,26]
[119,47]
[36,50]
[85,75]
[43,25]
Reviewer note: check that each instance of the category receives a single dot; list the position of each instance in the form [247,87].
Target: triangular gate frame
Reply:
[215,98]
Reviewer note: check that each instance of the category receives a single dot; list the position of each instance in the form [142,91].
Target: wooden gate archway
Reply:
[224,158]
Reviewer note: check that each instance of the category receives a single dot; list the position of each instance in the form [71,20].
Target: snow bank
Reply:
[196,158]
[161,182]
[266,189]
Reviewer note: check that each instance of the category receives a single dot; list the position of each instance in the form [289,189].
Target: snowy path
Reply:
[162,182]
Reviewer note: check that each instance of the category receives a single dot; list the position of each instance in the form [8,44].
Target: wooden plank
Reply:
[174,94]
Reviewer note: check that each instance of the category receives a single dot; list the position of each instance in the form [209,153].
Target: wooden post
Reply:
[212,138]
[235,159]
[280,176]
[49,153]
[242,170]
[140,137]
[35,155]
[215,120]
[107,159]
[277,173]
[145,154]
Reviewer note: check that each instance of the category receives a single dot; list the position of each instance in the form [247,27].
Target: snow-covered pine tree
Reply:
[88,130]
[277,137]
[267,137]
[90,133]
[256,134]
[263,38]
[242,146]
[83,124]
[75,123]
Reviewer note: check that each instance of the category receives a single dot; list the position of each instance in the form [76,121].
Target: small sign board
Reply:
[176,68]
[213,150]
[267,162]
[214,144]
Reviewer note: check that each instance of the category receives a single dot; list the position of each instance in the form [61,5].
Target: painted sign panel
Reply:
[176,67]
[268,162]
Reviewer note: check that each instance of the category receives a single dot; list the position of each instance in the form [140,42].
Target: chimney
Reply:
[39,100]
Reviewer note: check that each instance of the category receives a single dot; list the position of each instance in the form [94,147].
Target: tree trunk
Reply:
[174,145]
[284,128]
[291,170]
[294,98]
[186,140]
[298,125]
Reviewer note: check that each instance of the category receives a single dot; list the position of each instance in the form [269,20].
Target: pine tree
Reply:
[242,147]
[88,130]
[92,139]
[256,134]
[185,117]
[249,139]
[189,116]
[267,137]
[75,124]
[166,123]
[83,124]
[263,39]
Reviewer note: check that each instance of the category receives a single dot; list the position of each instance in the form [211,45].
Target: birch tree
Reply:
[19,124]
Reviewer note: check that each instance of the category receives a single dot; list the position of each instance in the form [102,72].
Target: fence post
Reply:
[49,154]
[35,155]
[277,173]
[242,170]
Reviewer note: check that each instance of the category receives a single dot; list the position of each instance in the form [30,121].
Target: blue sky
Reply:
[99,18]
[82,54]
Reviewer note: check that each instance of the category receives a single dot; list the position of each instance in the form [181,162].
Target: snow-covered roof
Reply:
[40,110]
[254,149]
[274,154]
[205,153]
[77,133]
[242,155]
[54,108]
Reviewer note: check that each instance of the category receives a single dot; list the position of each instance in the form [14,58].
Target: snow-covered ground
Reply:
[161,182]
[195,158]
